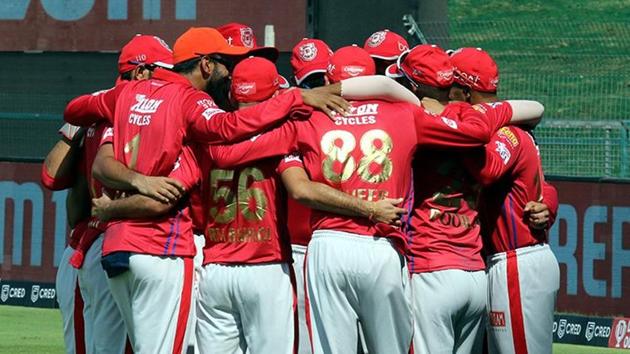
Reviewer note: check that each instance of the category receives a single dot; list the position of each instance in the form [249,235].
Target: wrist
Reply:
[370,210]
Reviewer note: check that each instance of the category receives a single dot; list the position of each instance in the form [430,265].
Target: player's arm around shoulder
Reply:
[324,197]
[497,158]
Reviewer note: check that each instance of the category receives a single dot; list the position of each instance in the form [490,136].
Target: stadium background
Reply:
[570,55]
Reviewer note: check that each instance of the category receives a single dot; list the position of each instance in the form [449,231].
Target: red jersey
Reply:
[298,215]
[367,154]
[246,212]
[444,231]
[152,119]
[510,168]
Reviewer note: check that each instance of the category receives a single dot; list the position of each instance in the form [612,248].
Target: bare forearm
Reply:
[61,160]
[113,174]
[323,197]
[136,206]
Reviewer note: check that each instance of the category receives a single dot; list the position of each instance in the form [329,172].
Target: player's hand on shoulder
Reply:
[325,102]
[387,211]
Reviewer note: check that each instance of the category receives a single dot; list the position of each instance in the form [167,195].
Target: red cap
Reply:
[255,79]
[426,64]
[144,50]
[238,34]
[198,41]
[350,61]
[308,57]
[386,45]
[476,69]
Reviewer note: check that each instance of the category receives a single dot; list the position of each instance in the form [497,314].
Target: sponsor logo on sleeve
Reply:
[509,136]
[503,151]
[451,123]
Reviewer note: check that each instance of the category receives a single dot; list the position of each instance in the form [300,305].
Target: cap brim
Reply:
[375,56]
[283,82]
[393,72]
[163,64]
[232,50]
[269,53]
[301,77]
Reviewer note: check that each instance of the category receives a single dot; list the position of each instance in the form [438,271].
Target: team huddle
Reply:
[389,202]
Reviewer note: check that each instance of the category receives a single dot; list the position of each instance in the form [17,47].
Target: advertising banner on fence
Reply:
[591,238]
[31,294]
[71,24]
[582,330]
[620,335]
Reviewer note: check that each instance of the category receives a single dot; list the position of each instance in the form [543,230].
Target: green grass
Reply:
[568,54]
[31,330]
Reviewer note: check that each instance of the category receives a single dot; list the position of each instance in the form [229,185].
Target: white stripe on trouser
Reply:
[304,345]
[539,280]
[245,308]
[108,332]
[65,284]
[449,309]
[149,296]
[349,278]
[200,242]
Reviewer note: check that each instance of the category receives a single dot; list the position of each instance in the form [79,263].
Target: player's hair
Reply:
[186,67]
[440,94]
[313,80]
[126,76]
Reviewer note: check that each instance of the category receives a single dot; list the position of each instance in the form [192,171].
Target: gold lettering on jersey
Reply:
[359,115]
[509,136]
[375,165]
[369,194]
[239,201]
[450,219]
[240,234]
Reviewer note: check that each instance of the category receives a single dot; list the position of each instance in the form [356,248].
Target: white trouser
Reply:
[66,288]
[246,308]
[154,297]
[108,332]
[522,289]
[200,242]
[349,278]
[304,342]
[449,309]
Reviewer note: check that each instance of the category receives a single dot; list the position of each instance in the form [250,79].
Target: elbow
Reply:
[301,193]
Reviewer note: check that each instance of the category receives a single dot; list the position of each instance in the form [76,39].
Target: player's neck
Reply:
[477,97]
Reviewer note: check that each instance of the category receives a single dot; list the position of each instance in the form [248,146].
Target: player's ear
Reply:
[206,66]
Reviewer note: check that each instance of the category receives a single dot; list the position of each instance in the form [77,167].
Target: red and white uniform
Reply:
[365,154]
[523,273]
[246,297]
[163,112]
[445,247]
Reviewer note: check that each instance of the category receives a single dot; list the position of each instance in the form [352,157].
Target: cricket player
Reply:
[104,332]
[523,273]
[385,47]
[57,175]
[135,250]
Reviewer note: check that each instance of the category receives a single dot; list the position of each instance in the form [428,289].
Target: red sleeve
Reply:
[88,109]
[276,142]
[56,184]
[472,130]
[497,158]
[293,159]
[186,169]
[550,198]
[498,114]
[107,137]
[209,124]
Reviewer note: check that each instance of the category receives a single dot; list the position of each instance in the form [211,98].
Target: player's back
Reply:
[503,202]
[366,154]
[149,126]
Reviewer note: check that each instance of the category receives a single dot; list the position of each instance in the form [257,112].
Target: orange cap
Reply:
[197,41]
